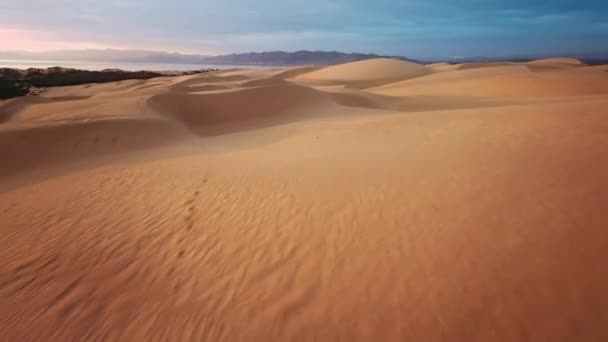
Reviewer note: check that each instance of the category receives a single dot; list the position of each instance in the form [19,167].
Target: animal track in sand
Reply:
[191,208]
[96,140]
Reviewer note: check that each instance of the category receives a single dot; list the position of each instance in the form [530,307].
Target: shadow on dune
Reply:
[265,82]
[230,111]
[12,107]
[412,104]
[29,148]
[205,87]
[295,72]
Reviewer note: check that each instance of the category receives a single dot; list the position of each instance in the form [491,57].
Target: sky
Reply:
[413,28]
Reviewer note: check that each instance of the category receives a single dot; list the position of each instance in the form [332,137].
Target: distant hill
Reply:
[274,58]
[303,57]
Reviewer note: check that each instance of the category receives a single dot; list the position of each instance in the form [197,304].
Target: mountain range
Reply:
[273,58]
[302,57]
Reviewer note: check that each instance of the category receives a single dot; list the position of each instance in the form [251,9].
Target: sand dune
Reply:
[366,73]
[206,87]
[295,72]
[512,81]
[477,65]
[34,146]
[571,62]
[10,107]
[555,64]
[467,73]
[265,82]
[453,204]
[443,66]
[274,102]
[221,78]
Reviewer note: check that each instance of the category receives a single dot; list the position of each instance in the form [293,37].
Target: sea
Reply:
[97,66]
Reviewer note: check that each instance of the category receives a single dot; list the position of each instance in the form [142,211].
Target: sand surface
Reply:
[372,201]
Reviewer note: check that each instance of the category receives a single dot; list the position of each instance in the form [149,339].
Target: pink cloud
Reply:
[18,39]
[26,40]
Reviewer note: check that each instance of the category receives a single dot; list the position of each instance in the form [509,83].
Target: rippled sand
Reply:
[374,201]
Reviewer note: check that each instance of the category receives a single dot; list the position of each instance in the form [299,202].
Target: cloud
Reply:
[26,40]
[411,27]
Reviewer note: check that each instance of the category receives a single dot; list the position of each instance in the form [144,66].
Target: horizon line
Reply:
[599,55]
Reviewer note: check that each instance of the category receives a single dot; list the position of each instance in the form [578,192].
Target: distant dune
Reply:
[517,80]
[571,62]
[477,65]
[378,200]
[443,66]
[368,72]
